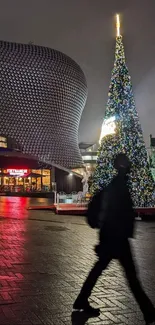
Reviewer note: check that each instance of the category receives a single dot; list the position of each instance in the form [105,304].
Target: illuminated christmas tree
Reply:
[121,132]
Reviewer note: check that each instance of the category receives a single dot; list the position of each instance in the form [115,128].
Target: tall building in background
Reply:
[43,94]
[121,132]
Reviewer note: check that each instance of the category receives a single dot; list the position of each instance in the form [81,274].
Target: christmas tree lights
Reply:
[121,132]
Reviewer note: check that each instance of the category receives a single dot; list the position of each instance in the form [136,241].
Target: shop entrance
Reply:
[25,180]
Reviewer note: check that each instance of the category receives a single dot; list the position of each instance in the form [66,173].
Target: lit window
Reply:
[3,142]
[87,157]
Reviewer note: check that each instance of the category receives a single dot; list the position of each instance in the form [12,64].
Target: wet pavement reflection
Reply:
[16,207]
[44,260]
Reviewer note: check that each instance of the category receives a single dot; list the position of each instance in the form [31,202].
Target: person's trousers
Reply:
[126,260]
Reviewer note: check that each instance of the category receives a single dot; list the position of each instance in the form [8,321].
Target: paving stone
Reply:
[42,269]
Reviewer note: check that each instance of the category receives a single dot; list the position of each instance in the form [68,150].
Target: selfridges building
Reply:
[43,93]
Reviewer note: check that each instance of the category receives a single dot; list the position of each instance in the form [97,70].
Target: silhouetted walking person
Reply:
[116,223]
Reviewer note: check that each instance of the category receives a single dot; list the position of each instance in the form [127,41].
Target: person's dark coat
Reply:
[118,220]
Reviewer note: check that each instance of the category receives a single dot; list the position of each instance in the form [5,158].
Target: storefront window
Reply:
[36,171]
[18,180]
[6,180]
[46,179]
[36,181]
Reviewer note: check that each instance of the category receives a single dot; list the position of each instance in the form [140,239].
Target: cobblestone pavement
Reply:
[44,260]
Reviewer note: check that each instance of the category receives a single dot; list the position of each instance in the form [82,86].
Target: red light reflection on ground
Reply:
[14,207]
[14,258]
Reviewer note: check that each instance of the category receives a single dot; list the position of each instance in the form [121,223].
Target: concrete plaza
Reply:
[44,260]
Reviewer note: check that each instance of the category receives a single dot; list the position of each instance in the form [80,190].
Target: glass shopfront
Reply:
[25,180]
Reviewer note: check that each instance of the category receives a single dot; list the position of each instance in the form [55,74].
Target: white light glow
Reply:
[108,127]
[86,158]
[118,25]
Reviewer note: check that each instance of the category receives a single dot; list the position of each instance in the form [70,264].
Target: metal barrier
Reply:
[73,198]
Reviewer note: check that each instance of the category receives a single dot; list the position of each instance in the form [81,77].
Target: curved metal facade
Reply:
[42,96]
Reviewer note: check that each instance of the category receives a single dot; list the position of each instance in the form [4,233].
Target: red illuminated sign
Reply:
[17,172]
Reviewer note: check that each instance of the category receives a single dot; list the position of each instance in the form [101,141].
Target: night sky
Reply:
[85,30]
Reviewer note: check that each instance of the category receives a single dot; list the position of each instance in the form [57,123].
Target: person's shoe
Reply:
[150,318]
[85,306]
[97,250]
